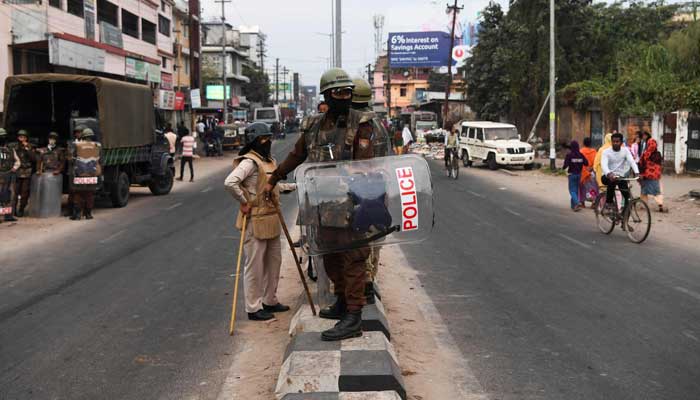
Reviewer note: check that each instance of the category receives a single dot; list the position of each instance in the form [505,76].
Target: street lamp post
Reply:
[552,94]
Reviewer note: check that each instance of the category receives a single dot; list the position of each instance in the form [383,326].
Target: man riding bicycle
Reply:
[451,144]
[616,162]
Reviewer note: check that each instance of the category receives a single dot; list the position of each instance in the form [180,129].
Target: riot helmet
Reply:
[362,93]
[87,133]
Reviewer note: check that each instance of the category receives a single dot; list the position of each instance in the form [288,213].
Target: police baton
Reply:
[238,270]
[296,259]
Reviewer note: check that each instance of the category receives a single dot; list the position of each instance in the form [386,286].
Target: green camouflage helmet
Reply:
[335,78]
[80,128]
[23,132]
[86,133]
[3,132]
[362,92]
[53,134]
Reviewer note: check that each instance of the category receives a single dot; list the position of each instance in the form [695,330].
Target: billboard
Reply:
[419,49]
[216,92]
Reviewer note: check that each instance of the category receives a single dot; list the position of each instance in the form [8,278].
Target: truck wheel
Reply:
[491,162]
[161,185]
[119,193]
[465,159]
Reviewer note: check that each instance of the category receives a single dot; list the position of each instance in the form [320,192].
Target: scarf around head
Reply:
[575,150]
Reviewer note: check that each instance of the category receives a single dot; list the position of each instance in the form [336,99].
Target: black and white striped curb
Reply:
[373,320]
[344,396]
[364,364]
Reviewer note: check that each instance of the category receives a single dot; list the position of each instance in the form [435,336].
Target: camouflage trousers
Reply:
[372,264]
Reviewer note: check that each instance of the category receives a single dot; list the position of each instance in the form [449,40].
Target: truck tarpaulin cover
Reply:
[125,109]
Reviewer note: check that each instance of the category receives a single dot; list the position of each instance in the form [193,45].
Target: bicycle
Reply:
[452,165]
[634,218]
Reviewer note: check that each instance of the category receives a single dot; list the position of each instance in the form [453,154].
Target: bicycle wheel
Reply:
[604,217]
[638,220]
[455,167]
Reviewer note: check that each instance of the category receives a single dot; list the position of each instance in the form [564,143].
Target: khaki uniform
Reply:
[83,152]
[8,161]
[350,137]
[27,157]
[262,246]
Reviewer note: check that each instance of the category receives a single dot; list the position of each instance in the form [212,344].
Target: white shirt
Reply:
[618,162]
[447,141]
[200,127]
[406,135]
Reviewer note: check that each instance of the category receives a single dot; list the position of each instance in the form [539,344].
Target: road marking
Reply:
[112,237]
[578,242]
[476,194]
[689,334]
[690,293]
[206,190]
[174,206]
[512,212]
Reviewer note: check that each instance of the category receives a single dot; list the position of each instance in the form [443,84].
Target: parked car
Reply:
[496,144]
[234,136]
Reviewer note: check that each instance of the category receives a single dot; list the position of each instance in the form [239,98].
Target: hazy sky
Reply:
[292,26]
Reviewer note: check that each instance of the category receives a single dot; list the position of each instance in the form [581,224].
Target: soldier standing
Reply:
[85,171]
[52,157]
[77,131]
[361,97]
[9,164]
[341,133]
[262,245]
[27,157]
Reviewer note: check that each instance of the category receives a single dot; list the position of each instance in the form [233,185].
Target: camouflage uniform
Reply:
[27,157]
[9,163]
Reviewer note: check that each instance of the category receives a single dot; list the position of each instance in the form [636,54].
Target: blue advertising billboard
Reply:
[419,49]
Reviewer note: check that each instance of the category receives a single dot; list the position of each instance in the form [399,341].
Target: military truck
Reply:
[121,114]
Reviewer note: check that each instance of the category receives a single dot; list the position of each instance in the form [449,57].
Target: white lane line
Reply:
[689,292]
[174,206]
[689,334]
[476,194]
[112,237]
[206,190]
[512,212]
[578,242]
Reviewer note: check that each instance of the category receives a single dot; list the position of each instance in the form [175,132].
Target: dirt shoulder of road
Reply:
[680,226]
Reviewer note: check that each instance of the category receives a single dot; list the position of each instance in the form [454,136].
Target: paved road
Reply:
[545,307]
[135,309]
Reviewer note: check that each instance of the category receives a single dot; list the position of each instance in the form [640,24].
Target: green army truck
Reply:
[121,114]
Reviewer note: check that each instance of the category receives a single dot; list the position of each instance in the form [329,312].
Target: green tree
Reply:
[258,89]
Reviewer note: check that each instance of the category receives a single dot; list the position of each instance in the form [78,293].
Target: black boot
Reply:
[349,326]
[334,311]
[279,307]
[20,212]
[10,218]
[69,211]
[88,213]
[369,292]
[260,315]
[76,214]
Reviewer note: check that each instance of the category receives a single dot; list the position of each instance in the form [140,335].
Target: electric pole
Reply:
[454,9]
[552,94]
[285,71]
[338,35]
[277,81]
[223,57]
[261,53]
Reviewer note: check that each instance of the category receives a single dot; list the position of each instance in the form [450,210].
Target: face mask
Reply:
[338,107]
[263,148]
[52,142]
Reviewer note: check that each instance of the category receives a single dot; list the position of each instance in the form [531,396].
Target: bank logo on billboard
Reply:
[419,49]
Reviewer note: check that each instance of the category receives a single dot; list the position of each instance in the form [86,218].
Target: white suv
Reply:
[493,143]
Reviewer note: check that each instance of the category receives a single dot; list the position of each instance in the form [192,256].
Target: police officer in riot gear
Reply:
[85,171]
[9,164]
[51,158]
[341,133]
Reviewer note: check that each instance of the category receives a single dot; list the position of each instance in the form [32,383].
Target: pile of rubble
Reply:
[434,151]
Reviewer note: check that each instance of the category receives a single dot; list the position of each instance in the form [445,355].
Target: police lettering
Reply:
[409,198]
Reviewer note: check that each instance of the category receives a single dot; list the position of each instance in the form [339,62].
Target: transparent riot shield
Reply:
[357,204]
[46,191]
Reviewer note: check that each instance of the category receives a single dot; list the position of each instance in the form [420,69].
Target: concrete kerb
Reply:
[373,320]
[363,368]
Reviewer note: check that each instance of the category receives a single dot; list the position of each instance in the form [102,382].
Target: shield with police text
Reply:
[366,203]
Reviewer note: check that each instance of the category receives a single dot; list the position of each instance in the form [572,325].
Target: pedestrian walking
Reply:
[9,164]
[27,157]
[636,146]
[407,137]
[650,168]
[398,142]
[262,246]
[187,156]
[597,167]
[575,162]
[588,187]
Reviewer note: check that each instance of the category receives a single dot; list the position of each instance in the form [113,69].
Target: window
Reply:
[185,30]
[163,25]
[465,130]
[148,31]
[480,134]
[472,133]
[402,91]
[164,62]
[162,6]
[55,3]
[76,7]
[107,12]
[130,24]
